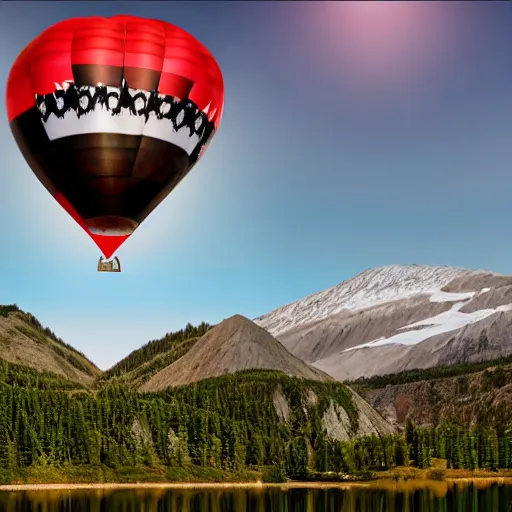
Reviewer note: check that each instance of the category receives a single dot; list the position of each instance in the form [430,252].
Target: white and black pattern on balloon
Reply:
[94,109]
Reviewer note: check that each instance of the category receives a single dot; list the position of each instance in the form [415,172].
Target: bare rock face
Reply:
[142,434]
[281,406]
[336,421]
[397,318]
[370,422]
[475,398]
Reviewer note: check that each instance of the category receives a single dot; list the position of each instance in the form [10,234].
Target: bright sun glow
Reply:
[385,41]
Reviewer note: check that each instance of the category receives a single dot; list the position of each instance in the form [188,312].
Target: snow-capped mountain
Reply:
[393,318]
[367,289]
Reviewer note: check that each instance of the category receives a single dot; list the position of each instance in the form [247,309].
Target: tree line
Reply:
[437,372]
[463,447]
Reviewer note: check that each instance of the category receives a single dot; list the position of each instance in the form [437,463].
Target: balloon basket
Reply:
[113,265]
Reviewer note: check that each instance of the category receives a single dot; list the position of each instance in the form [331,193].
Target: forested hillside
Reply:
[233,422]
[19,376]
[248,420]
[141,364]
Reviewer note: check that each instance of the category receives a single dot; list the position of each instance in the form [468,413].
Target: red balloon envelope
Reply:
[111,114]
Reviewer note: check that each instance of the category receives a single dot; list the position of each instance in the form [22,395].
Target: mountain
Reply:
[235,344]
[24,341]
[396,318]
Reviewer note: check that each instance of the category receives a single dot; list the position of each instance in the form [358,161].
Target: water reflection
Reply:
[443,498]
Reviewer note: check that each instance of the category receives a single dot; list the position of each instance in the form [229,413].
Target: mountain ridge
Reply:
[24,341]
[352,294]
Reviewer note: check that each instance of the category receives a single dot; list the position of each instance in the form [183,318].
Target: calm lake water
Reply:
[437,498]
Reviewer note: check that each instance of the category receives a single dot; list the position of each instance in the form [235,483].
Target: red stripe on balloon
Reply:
[186,65]
[100,42]
[48,70]
[145,45]
[43,63]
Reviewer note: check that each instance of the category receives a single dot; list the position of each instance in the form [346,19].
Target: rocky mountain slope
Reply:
[471,397]
[395,318]
[235,344]
[23,341]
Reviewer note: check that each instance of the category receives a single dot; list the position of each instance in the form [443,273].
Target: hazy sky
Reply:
[354,135]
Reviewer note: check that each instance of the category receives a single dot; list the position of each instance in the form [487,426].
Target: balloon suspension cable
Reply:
[113,265]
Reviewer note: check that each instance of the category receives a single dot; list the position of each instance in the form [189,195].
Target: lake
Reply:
[415,497]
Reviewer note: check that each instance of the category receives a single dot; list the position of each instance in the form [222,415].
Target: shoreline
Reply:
[249,485]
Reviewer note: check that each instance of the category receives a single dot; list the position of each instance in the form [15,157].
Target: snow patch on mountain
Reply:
[451,320]
[370,288]
[450,297]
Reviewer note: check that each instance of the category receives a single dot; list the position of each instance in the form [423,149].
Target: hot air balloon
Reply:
[111,114]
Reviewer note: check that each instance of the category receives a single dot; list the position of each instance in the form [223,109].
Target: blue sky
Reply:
[354,135]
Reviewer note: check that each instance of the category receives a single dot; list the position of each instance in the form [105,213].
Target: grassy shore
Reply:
[435,474]
[439,488]
[101,477]
[74,474]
